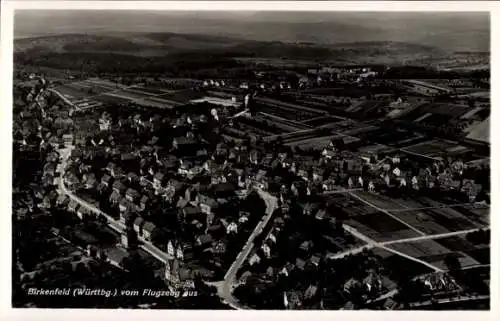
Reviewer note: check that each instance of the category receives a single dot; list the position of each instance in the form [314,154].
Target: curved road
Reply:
[225,287]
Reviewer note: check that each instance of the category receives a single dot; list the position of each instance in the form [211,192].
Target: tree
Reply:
[159,236]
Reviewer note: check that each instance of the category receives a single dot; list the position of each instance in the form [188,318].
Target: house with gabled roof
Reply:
[62,201]
[73,206]
[106,180]
[138,224]
[158,180]
[132,195]
[124,204]
[82,212]
[127,218]
[204,240]
[147,230]
[119,187]
[207,204]
[300,264]
[115,198]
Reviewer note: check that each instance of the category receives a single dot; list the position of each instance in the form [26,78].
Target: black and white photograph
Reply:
[250,160]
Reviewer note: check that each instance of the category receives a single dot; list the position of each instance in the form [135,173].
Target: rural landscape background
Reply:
[251,160]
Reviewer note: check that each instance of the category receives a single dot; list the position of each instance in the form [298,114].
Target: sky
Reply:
[439,29]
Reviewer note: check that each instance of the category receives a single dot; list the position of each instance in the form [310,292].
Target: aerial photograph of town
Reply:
[251,160]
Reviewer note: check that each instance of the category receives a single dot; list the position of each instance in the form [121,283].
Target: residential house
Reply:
[287,269]
[82,212]
[127,218]
[207,204]
[191,213]
[232,228]
[147,230]
[315,260]
[390,304]
[292,300]
[119,187]
[62,201]
[110,168]
[300,264]
[89,180]
[320,215]
[310,292]
[178,276]
[349,306]
[254,259]
[170,248]
[204,240]
[132,177]
[73,206]
[115,198]
[106,180]
[124,205]
[218,247]
[266,249]
[158,180]
[129,239]
[373,283]
[132,195]
[185,167]
[143,203]
[351,284]
[138,224]
[179,252]
[185,144]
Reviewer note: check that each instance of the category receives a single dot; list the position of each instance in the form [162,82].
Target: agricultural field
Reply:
[72,93]
[151,91]
[381,227]
[316,143]
[321,120]
[396,267]
[435,252]
[155,102]
[130,94]
[481,132]
[434,148]
[365,107]
[110,99]
[440,110]
[424,217]
[479,253]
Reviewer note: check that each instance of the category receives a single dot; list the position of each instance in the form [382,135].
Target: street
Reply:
[225,287]
[112,223]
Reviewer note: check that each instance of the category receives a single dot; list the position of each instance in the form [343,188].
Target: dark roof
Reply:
[299,263]
[127,156]
[132,192]
[223,188]
[105,178]
[133,175]
[144,199]
[115,196]
[119,185]
[138,221]
[191,210]
[128,215]
[205,238]
[148,226]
